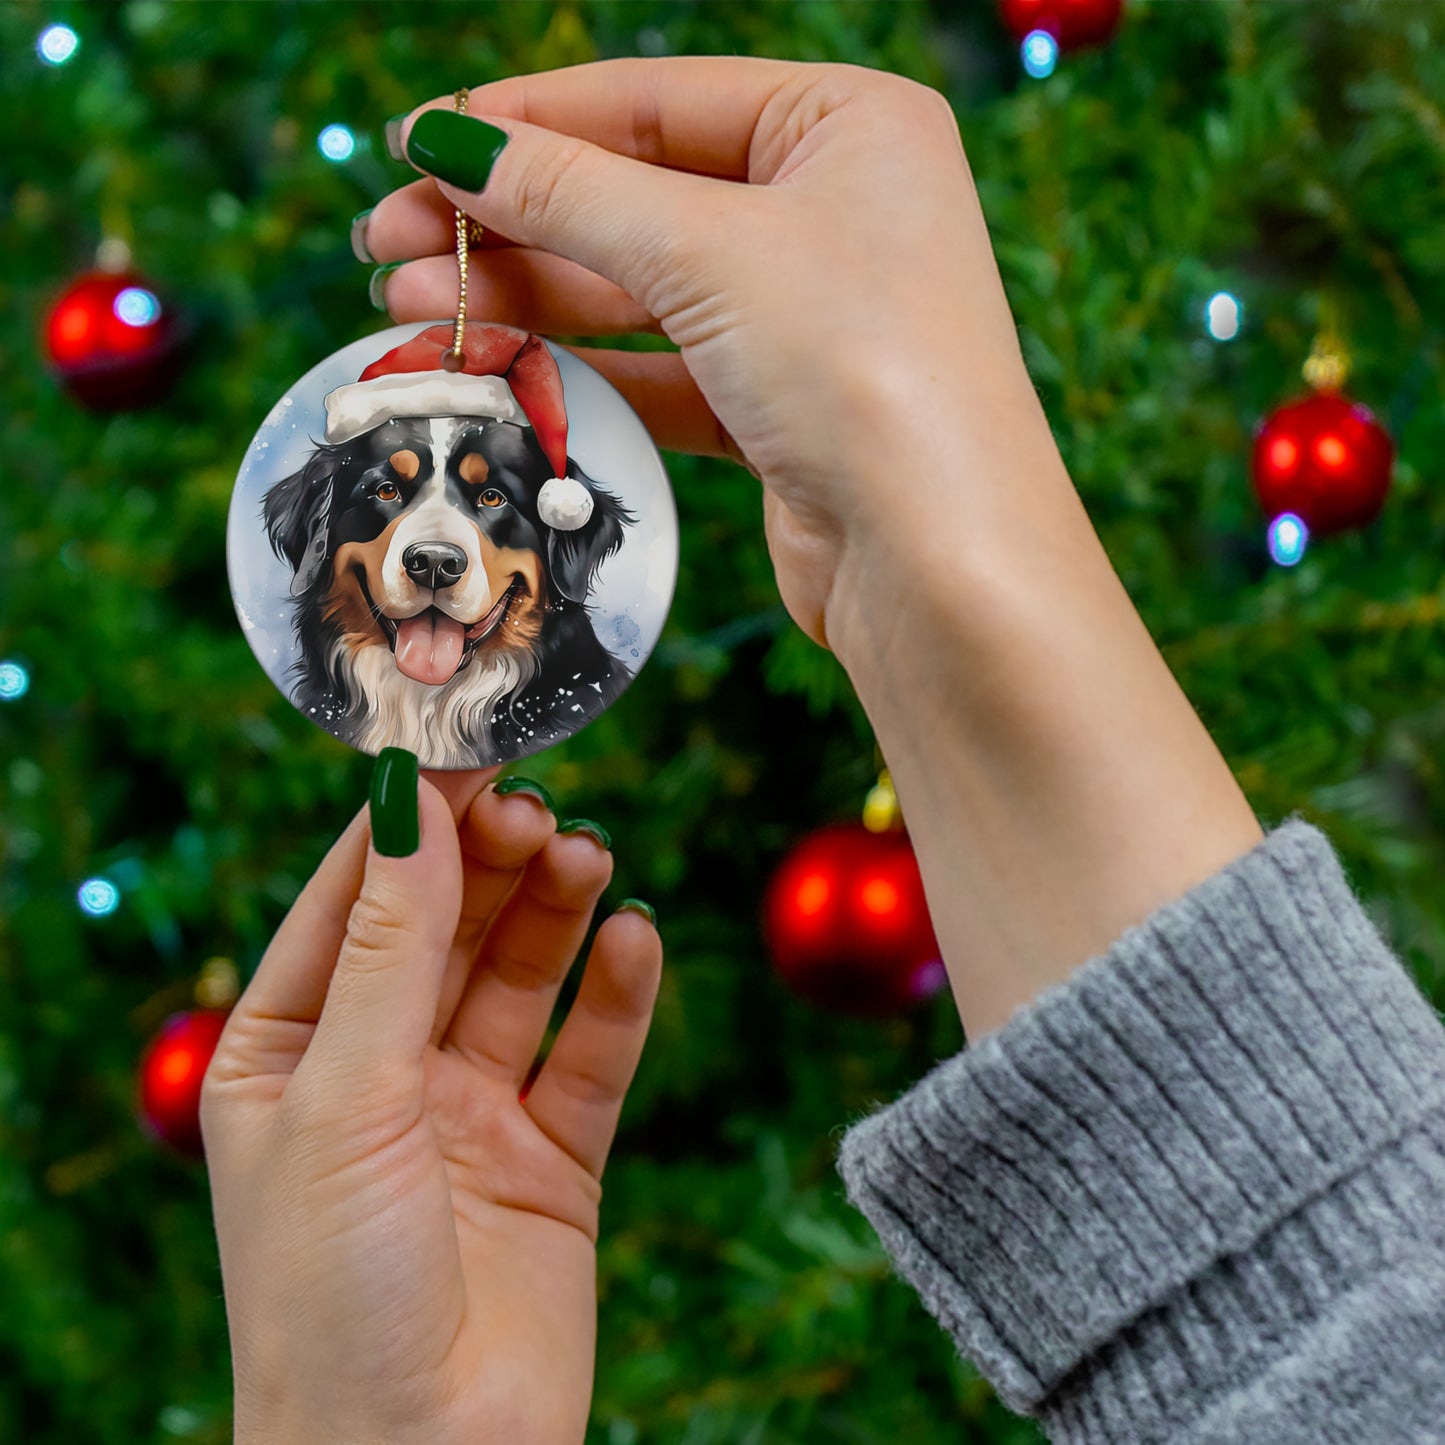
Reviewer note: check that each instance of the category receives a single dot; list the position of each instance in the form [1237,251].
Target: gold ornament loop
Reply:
[1328,366]
[219,985]
[881,813]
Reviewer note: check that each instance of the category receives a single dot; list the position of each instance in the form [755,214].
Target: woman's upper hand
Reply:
[407,1244]
[808,235]
[811,238]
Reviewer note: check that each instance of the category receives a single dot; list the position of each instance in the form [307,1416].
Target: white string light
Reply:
[1223,316]
[57,44]
[14,681]
[1040,54]
[136,306]
[336,143]
[98,897]
[1288,538]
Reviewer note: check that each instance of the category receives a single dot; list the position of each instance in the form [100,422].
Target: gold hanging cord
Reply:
[469,233]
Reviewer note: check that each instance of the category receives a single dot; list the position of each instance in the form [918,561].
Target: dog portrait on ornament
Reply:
[442,548]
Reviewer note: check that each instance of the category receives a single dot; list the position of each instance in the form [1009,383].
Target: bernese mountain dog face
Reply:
[431,554]
[434,609]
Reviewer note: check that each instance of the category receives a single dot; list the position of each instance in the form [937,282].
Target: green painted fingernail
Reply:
[395,820]
[392,132]
[586,825]
[376,288]
[359,248]
[527,786]
[455,148]
[636,905]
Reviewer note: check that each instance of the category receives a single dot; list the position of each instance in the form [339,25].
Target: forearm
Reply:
[1057,784]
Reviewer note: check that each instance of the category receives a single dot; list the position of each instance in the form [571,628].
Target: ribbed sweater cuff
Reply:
[1167,1152]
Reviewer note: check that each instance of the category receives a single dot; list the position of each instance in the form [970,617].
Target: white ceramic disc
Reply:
[397,578]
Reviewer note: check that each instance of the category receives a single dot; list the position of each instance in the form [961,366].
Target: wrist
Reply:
[261,1429]
[943,525]
[1057,784]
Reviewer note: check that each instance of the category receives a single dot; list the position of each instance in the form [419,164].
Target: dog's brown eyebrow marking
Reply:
[473,468]
[406,464]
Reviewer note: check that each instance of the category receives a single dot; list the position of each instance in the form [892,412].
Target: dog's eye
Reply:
[491,498]
[388,492]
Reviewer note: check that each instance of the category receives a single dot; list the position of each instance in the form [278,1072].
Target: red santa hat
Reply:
[504,373]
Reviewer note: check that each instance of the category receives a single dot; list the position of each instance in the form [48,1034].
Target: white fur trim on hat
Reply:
[361,405]
[564,504]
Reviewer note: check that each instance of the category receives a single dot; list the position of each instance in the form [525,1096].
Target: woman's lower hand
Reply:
[407,1234]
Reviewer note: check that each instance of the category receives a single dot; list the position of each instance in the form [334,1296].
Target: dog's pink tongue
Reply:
[429,646]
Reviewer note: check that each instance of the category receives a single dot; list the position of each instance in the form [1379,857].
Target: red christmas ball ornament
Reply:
[171,1071]
[112,341]
[1326,459]
[847,923]
[1073,23]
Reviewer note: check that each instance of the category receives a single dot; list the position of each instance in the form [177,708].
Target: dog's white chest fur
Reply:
[447,726]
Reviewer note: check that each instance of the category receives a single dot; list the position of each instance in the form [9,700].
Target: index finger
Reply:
[696,113]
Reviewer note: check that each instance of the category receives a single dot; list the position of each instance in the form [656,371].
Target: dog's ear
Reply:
[295,514]
[574,557]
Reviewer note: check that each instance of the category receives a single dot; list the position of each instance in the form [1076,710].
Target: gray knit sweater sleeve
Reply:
[1196,1192]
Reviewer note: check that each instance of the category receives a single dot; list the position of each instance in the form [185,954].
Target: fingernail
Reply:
[395,820]
[527,786]
[392,132]
[455,148]
[586,825]
[636,905]
[359,248]
[376,287]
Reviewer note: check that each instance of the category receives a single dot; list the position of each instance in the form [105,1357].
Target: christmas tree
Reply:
[161,803]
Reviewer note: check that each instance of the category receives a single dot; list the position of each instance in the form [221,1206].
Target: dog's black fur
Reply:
[332,500]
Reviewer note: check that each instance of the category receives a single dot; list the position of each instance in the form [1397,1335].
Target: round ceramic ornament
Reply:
[465,550]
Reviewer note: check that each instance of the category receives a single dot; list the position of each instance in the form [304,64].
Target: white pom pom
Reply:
[564,503]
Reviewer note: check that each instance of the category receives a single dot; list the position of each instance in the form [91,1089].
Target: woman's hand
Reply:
[842,325]
[810,237]
[407,1246]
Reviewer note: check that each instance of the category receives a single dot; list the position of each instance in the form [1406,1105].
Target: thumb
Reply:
[634,224]
[382,999]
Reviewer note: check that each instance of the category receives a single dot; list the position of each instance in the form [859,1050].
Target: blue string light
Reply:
[1223,316]
[14,681]
[336,143]
[98,897]
[1288,538]
[57,44]
[1040,53]
[137,307]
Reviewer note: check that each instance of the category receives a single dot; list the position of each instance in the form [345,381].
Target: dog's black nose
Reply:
[434,564]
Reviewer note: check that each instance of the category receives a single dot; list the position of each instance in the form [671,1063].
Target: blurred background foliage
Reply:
[1289,153]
